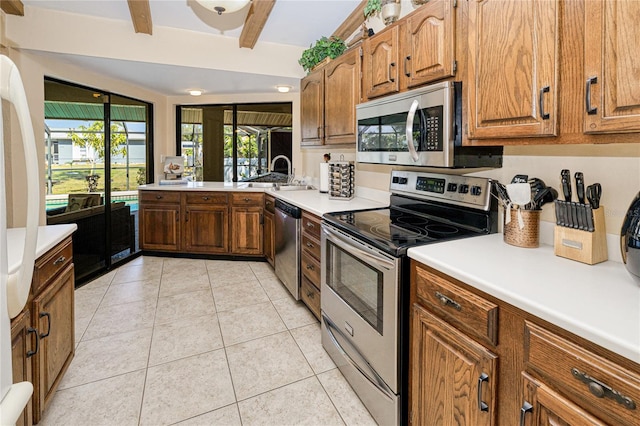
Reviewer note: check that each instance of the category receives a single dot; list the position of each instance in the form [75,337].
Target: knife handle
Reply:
[565,176]
[580,186]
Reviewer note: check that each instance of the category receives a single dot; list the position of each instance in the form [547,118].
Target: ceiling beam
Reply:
[141,16]
[256,18]
[12,7]
[352,23]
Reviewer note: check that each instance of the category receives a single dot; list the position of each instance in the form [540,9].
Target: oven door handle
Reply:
[374,377]
[347,246]
[409,130]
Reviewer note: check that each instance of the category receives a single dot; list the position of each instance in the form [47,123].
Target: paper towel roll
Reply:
[324,177]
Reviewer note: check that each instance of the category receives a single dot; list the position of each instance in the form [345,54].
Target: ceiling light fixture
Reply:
[195,92]
[223,6]
[282,88]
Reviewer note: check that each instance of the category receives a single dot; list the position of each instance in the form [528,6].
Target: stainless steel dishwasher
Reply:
[287,244]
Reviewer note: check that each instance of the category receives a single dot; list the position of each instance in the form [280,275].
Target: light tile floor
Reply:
[198,342]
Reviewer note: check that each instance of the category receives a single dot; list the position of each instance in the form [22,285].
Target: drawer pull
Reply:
[447,301]
[32,353]
[247,200]
[206,198]
[310,267]
[526,408]
[601,390]
[59,260]
[42,315]
[310,295]
[310,225]
[590,110]
[158,197]
[482,406]
[310,245]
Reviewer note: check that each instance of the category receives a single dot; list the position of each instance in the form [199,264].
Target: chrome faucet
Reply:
[284,157]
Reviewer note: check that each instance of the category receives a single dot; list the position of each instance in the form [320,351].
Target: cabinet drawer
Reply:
[206,198]
[269,204]
[476,315]
[310,269]
[311,225]
[51,263]
[310,295]
[247,199]
[600,386]
[310,246]
[159,196]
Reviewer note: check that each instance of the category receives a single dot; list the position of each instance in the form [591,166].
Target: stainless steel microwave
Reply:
[421,127]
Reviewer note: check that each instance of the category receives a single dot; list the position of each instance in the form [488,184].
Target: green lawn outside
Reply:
[68,179]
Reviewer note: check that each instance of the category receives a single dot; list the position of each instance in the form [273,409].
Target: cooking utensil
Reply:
[520,179]
[520,195]
[594,192]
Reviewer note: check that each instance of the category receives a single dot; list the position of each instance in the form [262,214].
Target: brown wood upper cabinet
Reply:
[611,66]
[328,99]
[380,64]
[512,67]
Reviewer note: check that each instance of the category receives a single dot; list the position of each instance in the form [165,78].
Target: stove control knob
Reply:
[476,190]
[464,188]
[452,187]
[403,181]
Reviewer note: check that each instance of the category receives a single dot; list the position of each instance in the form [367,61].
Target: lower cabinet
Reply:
[246,223]
[23,339]
[310,262]
[268,230]
[159,220]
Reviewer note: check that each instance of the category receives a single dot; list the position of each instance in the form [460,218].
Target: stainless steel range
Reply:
[365,278]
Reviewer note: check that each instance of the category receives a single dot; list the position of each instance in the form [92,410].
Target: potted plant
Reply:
[388,9]
[331,47]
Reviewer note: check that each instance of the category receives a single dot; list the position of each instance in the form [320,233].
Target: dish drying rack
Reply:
[341,180]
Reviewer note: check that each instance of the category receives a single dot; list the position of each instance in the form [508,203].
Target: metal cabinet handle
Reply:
[406,67]
[310,225]
[310,267]
[158,197]
[32,353]
[186,216]
[206,198]
[268,203]
[42,315]
[59,260]
[526,408]
[544,115]
[310,245]
[177,216]
[247,200]
[319,131]
[311,295]
[601,390]
[447,301]
[590,110]
[391,65]
[482,406]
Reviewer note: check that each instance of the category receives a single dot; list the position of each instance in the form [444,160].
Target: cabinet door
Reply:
[428,36]
[612,66]
[21,351]
[544,407]
[53,313]
[160,227]
[246,230]
[268,245]
[312,108]
[513,68]
[205,229]
[341,94]
[453,378]
[380,64]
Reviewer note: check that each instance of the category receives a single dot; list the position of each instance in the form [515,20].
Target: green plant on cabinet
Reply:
[325,47]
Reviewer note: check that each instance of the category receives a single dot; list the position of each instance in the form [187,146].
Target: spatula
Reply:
[520,196]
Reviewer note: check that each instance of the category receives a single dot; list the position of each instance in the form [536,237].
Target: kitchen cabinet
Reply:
[160,220]
[206,222]
[328,98]
[268,230]
[310,262]
[512,68]
[380,63]
[611,91]
[23,347]
[246,223]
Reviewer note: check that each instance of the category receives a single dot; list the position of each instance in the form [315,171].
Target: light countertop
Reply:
[201,186]
[48,238]
[600,303]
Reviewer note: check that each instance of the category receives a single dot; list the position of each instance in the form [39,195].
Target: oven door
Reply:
[360,306]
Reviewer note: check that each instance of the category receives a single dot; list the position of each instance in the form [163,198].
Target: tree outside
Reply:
[92,139]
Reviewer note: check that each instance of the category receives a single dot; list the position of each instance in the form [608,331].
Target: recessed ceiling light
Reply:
[283,88]
[195,92]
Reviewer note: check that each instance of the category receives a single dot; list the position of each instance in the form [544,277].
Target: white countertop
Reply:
[48,238]
[201,186]
[600,303]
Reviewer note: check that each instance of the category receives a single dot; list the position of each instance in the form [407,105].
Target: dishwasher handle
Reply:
[289,209]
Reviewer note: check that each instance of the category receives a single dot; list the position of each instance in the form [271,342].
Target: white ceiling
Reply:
[292,22]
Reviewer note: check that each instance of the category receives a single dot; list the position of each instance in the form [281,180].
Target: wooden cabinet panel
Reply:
[51,264]
[310,268]
[310,295]
[453,378]
[612,66]
[428,43]
[311,225]
[160,227]
[341,94]
[312,108]
[164,197]
[206,198]
[254,199]
[269,241]
[22,349]
[206,228]
[380,64]
[246,230]
[310,246]
[512,67]
[53,312]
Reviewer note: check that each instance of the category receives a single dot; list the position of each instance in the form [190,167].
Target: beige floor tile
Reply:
[102,280]
[183,338]
[137,273]
[134,291]
[274,288]
[185,388]
[262,270]
[107,357]
[87,299]
[225,416]
[264,364]
[120,319]
[345,399]
[249,322]
[294,314]
[192,304]
[145,260]
[229,273]
[237,296]
[300,403]
[113,401]
[183,281]
[309,341]
[80,326]
[172,264]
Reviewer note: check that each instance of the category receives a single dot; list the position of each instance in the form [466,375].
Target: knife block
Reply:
[583,246]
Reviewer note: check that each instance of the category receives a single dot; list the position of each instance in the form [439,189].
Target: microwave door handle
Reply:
[409,130]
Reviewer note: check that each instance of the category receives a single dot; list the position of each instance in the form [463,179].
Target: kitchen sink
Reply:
[282,187]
